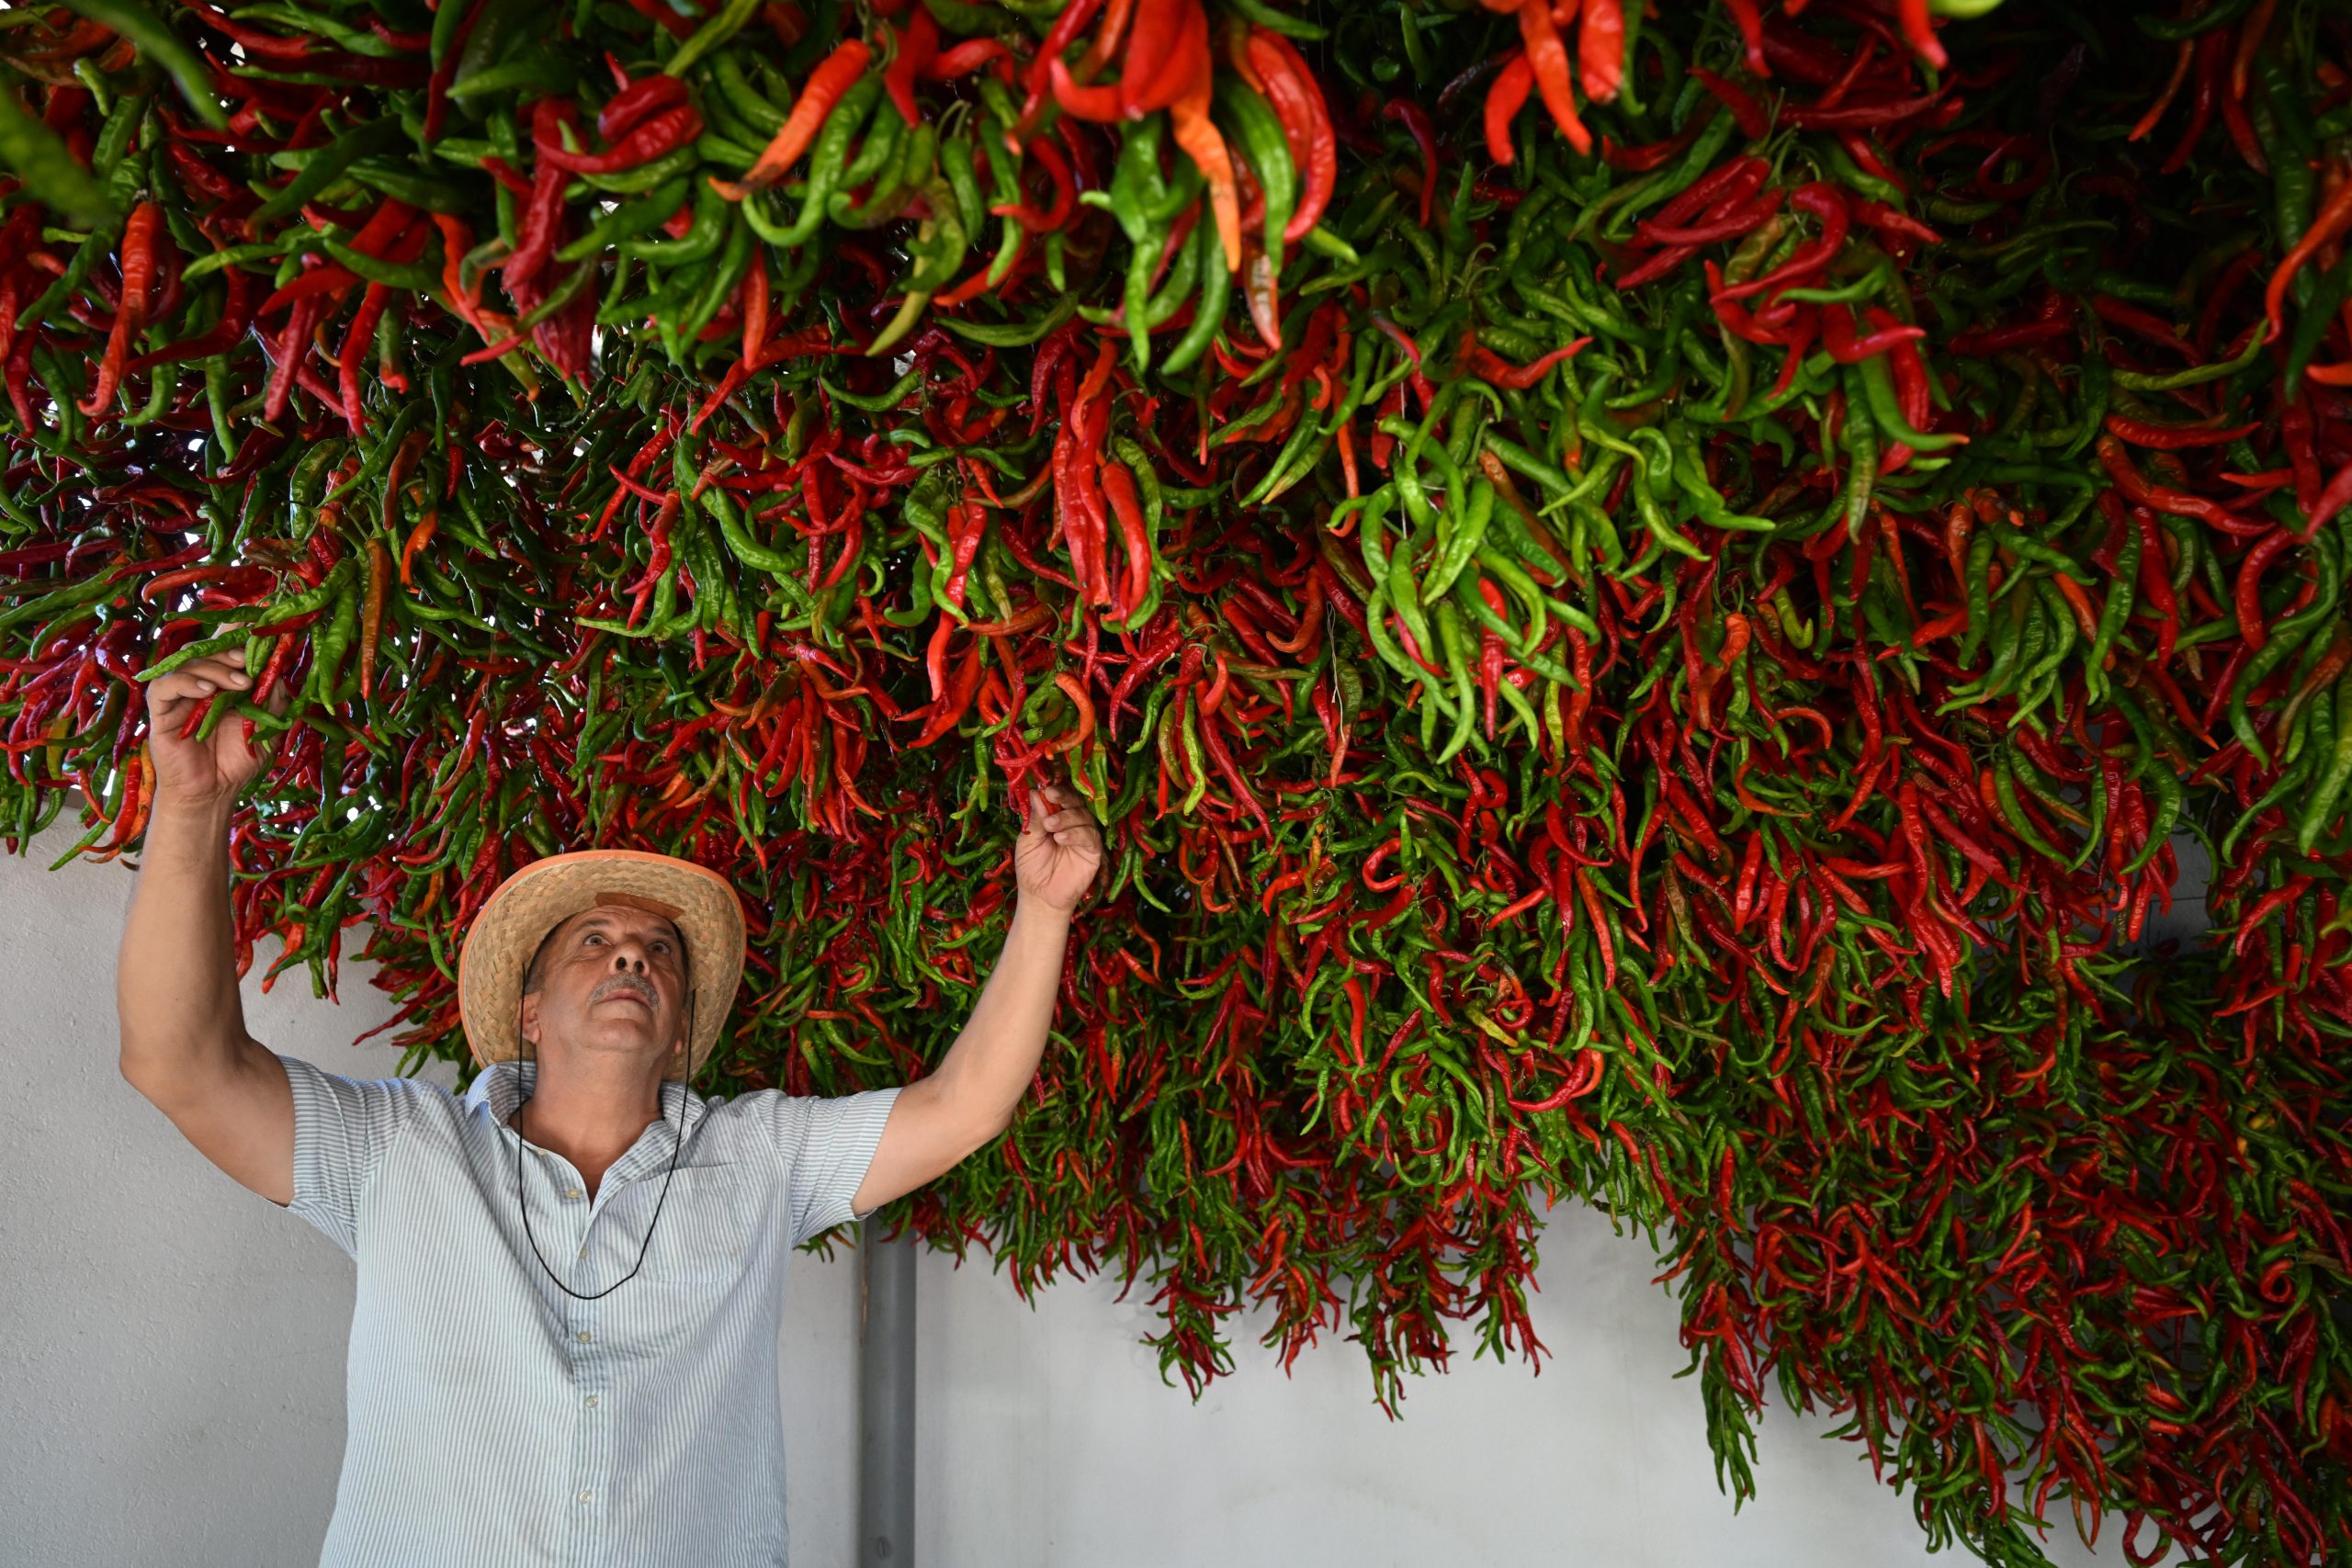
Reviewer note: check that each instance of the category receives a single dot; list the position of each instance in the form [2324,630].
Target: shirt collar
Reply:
[504,1086]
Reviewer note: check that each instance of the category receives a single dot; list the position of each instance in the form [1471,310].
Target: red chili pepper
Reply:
[1751,862]
[1734,180]
[1827,204]
[1655,154]
[1919,31]
[1887,220]
[542,216]
[657,137]
[325,277]
[2131,318]
[2269,905]
[259,44]
[2208,66]
[1861,116]
[1838,338]
[2136,487]
[292,350]
[1748,18]
[2174,437]
[1104,106]
[1490,652]
[1492,368]
[2248,590]
[1119,487]
[1754,120]
[1740,221]
[355,342]
[967,56]
[1167,55]
[637,101]
[914,55]
[2333,500]
[1297,101]
[2241,128]
[1045,220]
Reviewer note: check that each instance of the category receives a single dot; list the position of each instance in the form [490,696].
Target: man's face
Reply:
[612,980]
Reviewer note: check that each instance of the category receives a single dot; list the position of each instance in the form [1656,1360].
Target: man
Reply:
[536,1375]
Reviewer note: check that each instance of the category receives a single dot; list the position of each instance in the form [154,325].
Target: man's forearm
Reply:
[176,979]
[991,1064]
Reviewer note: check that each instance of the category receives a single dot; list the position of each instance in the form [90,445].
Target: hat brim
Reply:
[701,904]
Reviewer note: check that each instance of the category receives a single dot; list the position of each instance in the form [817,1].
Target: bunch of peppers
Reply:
[1648,599]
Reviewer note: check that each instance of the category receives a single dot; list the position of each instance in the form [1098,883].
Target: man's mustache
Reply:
[625,983]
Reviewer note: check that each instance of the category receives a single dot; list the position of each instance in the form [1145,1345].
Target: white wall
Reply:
[172,1357]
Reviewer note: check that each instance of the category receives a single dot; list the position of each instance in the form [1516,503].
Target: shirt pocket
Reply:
[701,1232]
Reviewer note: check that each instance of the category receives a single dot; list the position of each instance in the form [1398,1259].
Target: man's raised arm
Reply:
[183,1040]
[939,1119]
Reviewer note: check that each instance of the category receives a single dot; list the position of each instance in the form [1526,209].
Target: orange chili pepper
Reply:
[2334,216]
[1600,50]
[1549,56]
[833,76]
[2078,600]
[1505,98]
[1205,146]
[417,537]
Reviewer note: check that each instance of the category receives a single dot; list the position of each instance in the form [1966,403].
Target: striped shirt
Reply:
[495,1421]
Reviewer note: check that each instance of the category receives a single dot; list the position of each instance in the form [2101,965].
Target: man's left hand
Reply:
[1059,852]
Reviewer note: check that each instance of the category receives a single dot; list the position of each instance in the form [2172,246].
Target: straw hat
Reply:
[498,946]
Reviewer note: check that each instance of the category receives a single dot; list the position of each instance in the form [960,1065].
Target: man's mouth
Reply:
[628,995]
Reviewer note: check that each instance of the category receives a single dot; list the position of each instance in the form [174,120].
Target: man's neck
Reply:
[590,1128]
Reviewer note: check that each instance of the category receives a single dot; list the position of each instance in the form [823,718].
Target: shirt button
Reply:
[584,1336]
[583,1252]
[587,1497]
[592,1402]
[571,1192]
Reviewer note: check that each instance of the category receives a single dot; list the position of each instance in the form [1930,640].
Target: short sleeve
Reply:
[343,1128]
[826,1144]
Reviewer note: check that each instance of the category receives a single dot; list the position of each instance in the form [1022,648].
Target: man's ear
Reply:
[530,1021]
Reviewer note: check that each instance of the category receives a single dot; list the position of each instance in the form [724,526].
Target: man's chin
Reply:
[621,1031]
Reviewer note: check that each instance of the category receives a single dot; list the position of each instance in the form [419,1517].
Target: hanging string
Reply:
[677,1143]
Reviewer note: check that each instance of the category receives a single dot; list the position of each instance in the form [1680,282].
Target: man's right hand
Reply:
[199,772]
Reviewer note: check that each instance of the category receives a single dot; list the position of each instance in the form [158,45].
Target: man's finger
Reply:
[202,675]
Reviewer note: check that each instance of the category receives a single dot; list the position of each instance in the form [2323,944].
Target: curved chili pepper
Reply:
[139,239]
[1600,48]
[830,79]
[1547,57]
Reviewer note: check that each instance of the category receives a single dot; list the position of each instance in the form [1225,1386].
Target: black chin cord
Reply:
[677,1144]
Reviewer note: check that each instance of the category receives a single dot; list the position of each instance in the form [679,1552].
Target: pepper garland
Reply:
[1645,601]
